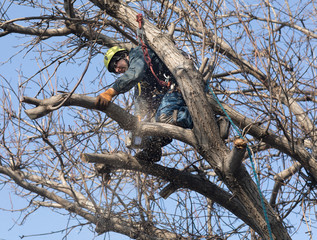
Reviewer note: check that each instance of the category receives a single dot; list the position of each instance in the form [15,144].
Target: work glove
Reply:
[104,98]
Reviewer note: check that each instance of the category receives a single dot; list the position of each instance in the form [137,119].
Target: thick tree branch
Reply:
[124,119]
[33,31]
[180,179]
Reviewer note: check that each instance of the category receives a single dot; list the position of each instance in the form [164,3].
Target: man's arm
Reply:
[104,98]
[134,74]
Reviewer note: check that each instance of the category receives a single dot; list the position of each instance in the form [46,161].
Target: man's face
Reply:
[121,66]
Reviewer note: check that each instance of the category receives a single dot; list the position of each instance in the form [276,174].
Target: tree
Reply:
[257,58]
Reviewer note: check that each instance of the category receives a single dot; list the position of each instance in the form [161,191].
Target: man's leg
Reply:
[172,110]
[152,151]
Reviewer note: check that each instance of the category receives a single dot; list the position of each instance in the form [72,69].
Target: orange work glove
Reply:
[104,98]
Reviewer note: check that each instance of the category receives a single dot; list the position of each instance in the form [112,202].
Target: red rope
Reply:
[139,19]
[147,58]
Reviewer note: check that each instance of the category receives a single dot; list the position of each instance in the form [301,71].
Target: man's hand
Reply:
[104,98]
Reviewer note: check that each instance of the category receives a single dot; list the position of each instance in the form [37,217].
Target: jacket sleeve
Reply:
[135,72]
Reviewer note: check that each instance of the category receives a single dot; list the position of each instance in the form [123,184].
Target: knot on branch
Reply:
[234,159]
[240,143]
[103,225]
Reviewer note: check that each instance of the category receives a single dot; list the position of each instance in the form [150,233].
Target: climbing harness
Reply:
[251,160]
[147,58]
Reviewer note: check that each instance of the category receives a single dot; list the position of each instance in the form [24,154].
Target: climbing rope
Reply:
[251,160]
[147,58]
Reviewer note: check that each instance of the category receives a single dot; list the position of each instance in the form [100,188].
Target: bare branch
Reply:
[38,32]
[280,178]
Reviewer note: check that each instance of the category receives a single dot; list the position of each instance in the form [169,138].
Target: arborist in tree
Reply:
[157,95]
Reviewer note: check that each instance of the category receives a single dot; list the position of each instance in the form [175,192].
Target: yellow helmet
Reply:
[110,54]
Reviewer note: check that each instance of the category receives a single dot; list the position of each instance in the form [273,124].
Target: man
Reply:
[156,93]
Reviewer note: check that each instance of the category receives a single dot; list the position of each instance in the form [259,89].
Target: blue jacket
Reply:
[139,71]
[153,96]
